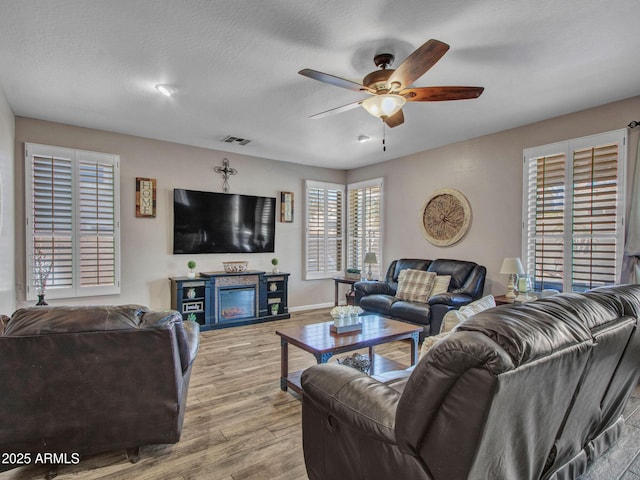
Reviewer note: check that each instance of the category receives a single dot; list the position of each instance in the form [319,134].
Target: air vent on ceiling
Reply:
[238,140]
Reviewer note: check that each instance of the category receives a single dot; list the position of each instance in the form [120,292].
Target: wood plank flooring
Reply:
[239,425]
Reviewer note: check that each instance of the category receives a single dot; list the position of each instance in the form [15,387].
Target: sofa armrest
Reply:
[451,299]
[353,398]
[363,289]
[187,332]
[192,343]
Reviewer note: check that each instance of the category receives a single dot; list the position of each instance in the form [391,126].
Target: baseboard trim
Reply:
[304,308]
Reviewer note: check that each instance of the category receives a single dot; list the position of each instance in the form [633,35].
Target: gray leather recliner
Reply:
[530,391]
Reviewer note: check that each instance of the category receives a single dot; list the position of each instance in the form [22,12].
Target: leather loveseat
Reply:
[466,285]
[527,392]
[80,380]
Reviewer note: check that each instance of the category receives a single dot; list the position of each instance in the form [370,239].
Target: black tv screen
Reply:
[210,222]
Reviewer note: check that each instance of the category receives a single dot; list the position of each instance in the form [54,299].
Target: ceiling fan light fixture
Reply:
[166,90]
[384,105]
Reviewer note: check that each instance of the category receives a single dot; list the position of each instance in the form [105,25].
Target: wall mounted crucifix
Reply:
[225,170]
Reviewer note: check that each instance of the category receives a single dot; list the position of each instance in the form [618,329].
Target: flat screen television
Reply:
[211,222]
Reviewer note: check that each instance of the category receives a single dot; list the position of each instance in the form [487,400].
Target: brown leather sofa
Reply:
[80,380]
[528,391]
[467,285]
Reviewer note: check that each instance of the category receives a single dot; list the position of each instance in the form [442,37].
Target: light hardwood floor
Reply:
[239,425]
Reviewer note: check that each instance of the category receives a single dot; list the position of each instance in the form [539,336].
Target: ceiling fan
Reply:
[389,88]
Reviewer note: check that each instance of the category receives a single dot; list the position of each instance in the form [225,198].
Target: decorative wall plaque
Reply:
[286,207]
[145,197]
[446,217]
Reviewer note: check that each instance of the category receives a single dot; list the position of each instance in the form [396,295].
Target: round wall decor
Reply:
[446,216]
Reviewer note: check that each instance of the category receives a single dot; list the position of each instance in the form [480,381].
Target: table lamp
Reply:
[369,259]
[511,267]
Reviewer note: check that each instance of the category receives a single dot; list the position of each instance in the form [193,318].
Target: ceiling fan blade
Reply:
[343,108]
[395,119]
[437,94]
[333,80]
[416,64]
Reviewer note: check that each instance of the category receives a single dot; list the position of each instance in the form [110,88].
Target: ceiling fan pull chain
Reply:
[384,137]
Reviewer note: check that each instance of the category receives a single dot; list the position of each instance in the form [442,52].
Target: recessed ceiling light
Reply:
[363,138]
[167,90]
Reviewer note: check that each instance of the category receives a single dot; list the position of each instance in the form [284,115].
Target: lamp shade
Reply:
[370,258]
[512,266]
[383,105]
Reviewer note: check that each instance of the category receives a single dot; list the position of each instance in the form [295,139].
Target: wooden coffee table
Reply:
[318,340]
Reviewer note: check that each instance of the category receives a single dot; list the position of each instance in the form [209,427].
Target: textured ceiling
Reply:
[235,64]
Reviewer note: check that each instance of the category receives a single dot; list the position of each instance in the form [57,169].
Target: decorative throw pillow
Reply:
[430,341]
[478,306]
[450,320]
[454,317]
[441,285]
[415,285]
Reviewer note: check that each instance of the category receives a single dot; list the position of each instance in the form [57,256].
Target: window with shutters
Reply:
[364,225]
[573,238]
[73,225]
[324,229]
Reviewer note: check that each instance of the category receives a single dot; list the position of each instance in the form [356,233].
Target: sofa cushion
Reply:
[440,285]
[379,303]
[415,285]
[411,311]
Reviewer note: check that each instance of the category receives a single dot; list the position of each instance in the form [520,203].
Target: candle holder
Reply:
[524,285]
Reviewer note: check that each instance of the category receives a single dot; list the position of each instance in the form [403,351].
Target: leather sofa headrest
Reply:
[458,269]
[533,330]
[73,319]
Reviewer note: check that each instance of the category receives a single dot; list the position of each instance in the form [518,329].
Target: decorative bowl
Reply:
[235,267]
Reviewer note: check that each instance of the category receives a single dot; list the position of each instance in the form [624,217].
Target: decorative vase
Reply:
[191,274]
[41,299]
[275,270]
[273,287]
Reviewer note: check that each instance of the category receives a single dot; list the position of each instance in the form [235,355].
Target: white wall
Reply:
[488,171]
[7,218]
[147,259]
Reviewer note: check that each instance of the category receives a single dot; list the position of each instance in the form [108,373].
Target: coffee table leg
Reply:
[323,357]
[284,364]
[371,361]
[414,348]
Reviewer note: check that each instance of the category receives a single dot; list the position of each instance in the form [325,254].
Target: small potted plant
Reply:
[353,273]
[274,308]
[191,264]
[274,262]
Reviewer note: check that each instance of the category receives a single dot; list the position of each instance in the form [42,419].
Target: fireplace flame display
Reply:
[232,313]
[237,303]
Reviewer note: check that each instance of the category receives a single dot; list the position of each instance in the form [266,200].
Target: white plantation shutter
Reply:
[97,222]
[364,229]
[574,211]
[72,221]
[545,219]
[52,219]
[324,234]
